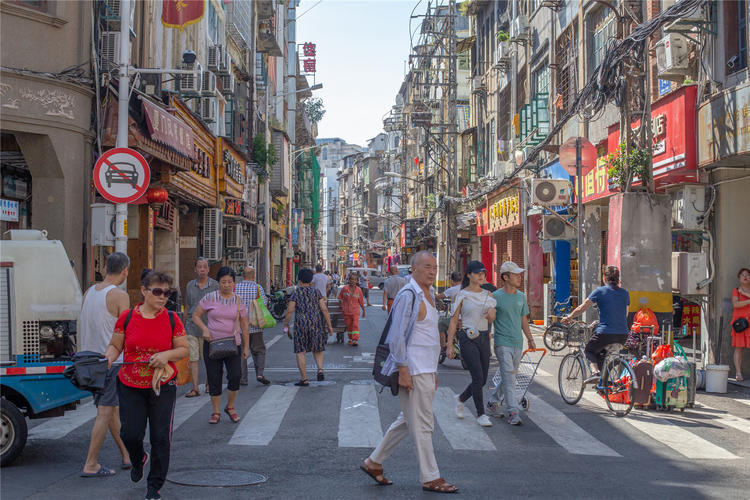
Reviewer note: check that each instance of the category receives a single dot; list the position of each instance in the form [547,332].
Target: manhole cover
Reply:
[363,382]
[216,477]
[315,383]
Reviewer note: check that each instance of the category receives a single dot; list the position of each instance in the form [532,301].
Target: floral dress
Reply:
[309,332]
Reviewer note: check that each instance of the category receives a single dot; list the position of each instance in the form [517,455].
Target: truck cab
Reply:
[40,303]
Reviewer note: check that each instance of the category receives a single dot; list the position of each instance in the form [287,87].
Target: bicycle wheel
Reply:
[618,382]
[570,378]
[556,337]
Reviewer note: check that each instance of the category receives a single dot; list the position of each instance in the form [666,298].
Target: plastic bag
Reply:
[269,321]
[645,317]
[662,352]
[183,371]
[671,368]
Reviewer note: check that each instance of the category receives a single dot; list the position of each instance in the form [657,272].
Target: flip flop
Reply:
[375,474]
[102,472]
[125,466]
[302,383]
[321,376]
[193,393]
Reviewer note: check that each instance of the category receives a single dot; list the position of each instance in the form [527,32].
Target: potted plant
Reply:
[622,167]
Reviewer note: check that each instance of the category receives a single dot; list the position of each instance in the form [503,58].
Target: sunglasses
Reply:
[158,292]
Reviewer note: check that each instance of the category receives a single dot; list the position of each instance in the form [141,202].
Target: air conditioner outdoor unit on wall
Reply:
[502,55]
[212,243]
[477,84]
[191,84]
[225,66]
[208,85]
[688,271]
[550,192]
[110,52]
[519,28]
[555,229]
[235,234]
[688,205]
[215,57]
[672,57]
[208,109]
[227,85]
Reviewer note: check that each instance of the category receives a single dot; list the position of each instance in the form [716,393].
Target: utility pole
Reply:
[451,243]
[121,209]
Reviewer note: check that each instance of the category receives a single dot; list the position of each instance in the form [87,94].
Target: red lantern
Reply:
[416,160]
[157,197]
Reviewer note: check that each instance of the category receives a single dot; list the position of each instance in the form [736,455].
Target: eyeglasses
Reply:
[158,292]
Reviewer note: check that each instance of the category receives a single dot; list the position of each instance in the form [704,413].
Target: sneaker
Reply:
[136,473]
[484,421]
[153,495]
[459,408]
[514,419]
[495,410]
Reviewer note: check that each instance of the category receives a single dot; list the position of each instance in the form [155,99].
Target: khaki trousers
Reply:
[416,418]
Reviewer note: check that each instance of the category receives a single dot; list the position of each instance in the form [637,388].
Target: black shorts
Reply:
[108,395]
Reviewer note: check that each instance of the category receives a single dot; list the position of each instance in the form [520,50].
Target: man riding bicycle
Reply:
[613,302]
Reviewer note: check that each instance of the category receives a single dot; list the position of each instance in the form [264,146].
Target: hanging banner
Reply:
[181,13]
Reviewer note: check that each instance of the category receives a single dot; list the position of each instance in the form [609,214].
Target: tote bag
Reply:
[269,321]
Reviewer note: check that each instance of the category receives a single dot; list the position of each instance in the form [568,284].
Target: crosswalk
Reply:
[695,434]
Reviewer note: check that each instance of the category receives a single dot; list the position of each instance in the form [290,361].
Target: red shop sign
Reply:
[673,125]
[168,130]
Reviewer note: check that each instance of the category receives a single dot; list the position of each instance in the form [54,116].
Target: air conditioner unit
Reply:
[227,85]
[191,84]
[502,55]
[689,270]
[208,85]
[208,110]
[225,65]
[672,57]
[237,256]
[151,84]
[519,28]
[234,236]
[555,229]
[212,244]
[688,205]
[110,51]
[550,192]
[477,85]
[215,57]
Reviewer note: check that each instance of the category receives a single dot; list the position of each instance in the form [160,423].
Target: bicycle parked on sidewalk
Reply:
[616,384]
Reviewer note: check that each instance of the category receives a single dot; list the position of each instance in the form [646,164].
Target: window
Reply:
[605,30]
[541,80]
[533,5]
[213,23]
[735,11]
[463,61]
[40,5]
[567,73]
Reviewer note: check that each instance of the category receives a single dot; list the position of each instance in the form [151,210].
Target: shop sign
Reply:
[482,221]
[724,126]
[203,166]
[9,210]
[503,211]
[15,187]
[239,208]
[309,51]
[168,130]
[234,169]
[596,181]
[297,216]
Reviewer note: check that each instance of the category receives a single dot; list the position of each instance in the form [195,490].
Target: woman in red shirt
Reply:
[351,302]
[741,309]
[152,340]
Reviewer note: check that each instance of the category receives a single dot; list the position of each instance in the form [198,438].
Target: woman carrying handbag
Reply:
[227,316]
[741,320]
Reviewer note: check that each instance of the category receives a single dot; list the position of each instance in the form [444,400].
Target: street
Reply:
[309,441]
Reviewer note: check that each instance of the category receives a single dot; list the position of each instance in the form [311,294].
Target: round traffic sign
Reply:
[121,175]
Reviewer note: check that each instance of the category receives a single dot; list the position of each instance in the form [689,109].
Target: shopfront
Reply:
[724,160]
[501,232]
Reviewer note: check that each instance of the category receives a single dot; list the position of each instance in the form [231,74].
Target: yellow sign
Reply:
[504,211]
[125,226]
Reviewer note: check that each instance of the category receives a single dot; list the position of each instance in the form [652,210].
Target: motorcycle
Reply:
[278,301]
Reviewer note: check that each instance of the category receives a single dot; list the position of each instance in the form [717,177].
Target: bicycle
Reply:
[616,384]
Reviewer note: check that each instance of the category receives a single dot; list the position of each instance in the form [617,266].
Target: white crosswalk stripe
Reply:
[461,433]
[59,427]
[719,417]
[262,422]
[359,418]
[743,401]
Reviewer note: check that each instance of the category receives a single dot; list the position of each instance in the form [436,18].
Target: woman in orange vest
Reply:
[352,301]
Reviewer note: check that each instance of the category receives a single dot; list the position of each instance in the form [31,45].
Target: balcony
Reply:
[240,17]
[267,38]
[265,8]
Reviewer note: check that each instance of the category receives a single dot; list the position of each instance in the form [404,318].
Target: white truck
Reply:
[40,302]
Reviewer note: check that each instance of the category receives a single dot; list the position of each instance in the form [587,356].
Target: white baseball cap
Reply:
[511,267]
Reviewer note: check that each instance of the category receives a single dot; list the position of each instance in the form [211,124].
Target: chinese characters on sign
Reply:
[234,169]
[168,130]
[233,206]
[9,210]
[309,51]
[503,211]
[203,165]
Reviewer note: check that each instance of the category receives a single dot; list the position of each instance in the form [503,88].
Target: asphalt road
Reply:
[309,442]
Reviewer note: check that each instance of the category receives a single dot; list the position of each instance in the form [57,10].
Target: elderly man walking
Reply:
[195,290]
[391,287]
[414,348]
[249,290]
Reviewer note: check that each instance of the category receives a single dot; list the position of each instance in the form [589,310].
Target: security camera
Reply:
[732,62]
[188,57]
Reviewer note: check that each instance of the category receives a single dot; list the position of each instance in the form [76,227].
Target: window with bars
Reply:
[604,31]
[567,70]
[540,82]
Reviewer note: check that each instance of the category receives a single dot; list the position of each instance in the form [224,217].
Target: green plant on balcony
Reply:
[502,36]
[622,167]
[431,201]
[264,155]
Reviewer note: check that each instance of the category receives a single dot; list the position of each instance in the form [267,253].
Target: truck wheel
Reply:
[13,432]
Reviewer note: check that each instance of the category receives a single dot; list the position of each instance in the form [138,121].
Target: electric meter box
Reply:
[102,224]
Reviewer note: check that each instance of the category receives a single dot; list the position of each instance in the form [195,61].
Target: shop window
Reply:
[735,41]
[40,5]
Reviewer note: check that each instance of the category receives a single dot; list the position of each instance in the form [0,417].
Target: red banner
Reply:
[181,13]
[168,130]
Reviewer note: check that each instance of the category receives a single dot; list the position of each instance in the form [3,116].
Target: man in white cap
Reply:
[510,326]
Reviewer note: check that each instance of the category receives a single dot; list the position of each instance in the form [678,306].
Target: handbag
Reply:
[740,325]
[225,347]
[255,315]
[183,371]
[382,351]
[88,371]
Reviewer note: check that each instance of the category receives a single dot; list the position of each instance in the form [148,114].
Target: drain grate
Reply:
[216,477]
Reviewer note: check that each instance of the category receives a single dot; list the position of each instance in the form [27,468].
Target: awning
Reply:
[465,44]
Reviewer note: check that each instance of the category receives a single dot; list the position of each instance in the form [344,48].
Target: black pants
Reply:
[596,346]
[476,354]
[138,406]
[215,371]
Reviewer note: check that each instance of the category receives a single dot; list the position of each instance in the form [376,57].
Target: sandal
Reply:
[263,380]
[376,474]
[321,376]
[215,417]
[302,383]
[193,393]
[439,485]
[233,416]
[738,377]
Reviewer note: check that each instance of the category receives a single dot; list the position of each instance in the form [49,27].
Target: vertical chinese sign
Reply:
[309,51]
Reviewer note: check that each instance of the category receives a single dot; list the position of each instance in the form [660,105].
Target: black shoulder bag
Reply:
[381,355]
[740,324]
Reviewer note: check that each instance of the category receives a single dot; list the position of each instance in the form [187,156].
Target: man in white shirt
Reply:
[450,293]
[102,305]
[414,348]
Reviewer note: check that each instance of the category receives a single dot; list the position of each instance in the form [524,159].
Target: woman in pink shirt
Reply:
[227,316]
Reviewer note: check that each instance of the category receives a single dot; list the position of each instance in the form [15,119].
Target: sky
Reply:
[362,47]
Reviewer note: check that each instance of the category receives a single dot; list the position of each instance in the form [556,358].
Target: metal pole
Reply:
[121,209]
[579,216]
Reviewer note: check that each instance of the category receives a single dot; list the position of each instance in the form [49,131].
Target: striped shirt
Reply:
[247,291]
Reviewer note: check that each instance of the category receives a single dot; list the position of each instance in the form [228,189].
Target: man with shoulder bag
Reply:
[249,291]
[414,345]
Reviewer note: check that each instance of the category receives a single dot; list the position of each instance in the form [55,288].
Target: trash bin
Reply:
[716,378]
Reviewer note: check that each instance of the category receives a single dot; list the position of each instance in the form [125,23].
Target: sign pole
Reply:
[121,209]
[579,217]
